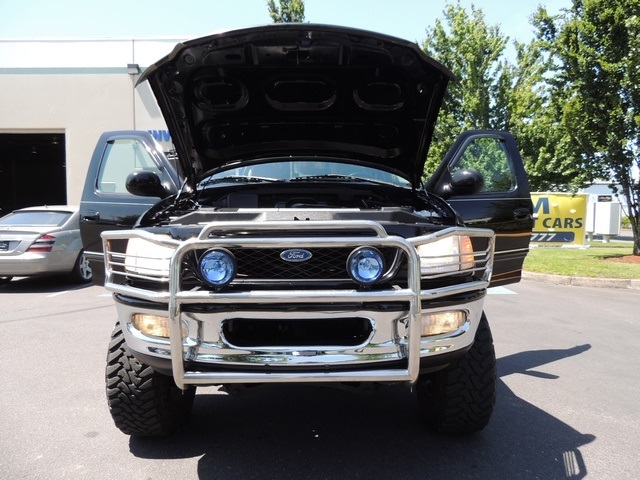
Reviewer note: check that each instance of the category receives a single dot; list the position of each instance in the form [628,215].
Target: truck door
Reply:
[106,204]
[501,202]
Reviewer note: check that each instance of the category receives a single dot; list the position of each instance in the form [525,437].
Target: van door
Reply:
[501,200]
[106,204]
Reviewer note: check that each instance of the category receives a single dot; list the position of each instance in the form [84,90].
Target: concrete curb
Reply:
[582,281]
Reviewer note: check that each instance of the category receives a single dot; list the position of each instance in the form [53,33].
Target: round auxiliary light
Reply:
[217,267]
[365,265]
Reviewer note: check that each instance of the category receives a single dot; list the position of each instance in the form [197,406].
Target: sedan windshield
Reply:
[53,219]
[304,170]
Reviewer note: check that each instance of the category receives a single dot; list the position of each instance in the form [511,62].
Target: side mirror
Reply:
[463,182]
[467,182]
[145,184]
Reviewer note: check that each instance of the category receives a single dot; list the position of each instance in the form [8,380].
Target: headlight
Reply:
[147,258]
[365,265]
[217,267]
[451,254]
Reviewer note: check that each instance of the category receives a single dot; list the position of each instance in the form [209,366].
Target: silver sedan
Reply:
[42,241]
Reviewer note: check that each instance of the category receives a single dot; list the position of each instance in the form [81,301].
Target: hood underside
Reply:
[299,89]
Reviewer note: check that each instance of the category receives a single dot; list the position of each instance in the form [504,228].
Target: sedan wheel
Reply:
[82,271]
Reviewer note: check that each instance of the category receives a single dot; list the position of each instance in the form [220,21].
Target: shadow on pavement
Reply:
[47,284]
[313,432]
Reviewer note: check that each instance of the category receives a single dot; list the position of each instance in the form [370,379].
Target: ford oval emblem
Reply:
[296,255]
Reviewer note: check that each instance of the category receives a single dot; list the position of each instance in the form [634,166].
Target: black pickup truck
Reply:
[292,238]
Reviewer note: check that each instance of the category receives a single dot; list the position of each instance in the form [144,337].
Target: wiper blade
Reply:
[328,176]
[239,179]
[339,177]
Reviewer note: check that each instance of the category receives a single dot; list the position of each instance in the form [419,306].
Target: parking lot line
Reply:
[58,293]
[500,291]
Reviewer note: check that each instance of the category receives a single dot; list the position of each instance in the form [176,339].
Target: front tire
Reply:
[142,402]
[460,398]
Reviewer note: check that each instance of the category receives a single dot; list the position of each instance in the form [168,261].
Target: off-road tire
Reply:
[460,398]
[142,402]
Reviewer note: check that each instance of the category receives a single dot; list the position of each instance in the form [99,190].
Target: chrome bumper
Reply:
[395,335]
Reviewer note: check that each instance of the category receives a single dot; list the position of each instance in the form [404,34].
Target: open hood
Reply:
[299,89]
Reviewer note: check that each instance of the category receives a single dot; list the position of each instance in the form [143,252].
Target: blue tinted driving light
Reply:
[217,267]
[365,265]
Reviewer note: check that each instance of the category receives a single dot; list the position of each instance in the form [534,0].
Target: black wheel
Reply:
[142,402]
[81,272]
[460,398]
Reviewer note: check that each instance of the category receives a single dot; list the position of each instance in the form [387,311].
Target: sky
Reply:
[54,19]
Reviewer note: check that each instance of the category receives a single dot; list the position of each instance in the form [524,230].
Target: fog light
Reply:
[365,265]
[218,267]
[154,325]
[442,322]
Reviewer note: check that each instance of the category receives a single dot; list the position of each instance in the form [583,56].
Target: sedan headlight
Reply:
[147,258]
[450,254]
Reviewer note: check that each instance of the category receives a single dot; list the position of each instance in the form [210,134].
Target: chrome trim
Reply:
[407,346]
[516,250]
[206,343]
[394,267]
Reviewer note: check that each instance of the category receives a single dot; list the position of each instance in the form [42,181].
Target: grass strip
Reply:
[593,262]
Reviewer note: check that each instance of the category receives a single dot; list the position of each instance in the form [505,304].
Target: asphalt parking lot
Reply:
[567,402]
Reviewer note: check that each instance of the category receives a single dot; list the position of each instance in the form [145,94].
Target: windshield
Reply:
[35,218]
[304,170]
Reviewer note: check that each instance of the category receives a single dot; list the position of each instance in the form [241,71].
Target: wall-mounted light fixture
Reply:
[133,68]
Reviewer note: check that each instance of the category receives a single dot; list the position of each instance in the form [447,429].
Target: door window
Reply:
[121,157]
[488,156]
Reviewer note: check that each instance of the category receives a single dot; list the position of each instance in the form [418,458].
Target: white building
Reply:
[56,98]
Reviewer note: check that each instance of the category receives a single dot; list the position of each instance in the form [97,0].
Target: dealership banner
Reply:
[560,218]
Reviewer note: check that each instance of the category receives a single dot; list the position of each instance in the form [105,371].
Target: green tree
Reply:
[287,11]
[536,106]
[527,104]
[490,92]
[595,47]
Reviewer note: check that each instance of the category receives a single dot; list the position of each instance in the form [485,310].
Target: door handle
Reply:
[90,217]
[521,214]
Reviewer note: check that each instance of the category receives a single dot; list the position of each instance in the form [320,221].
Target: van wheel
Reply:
[142,402]
[460,398]
[81,272]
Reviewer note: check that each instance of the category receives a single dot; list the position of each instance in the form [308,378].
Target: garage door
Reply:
[32,170]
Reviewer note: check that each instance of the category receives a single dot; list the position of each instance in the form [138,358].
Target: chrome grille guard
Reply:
[168,287]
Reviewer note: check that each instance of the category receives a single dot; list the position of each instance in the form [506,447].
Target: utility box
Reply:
[604,217]
[607,219]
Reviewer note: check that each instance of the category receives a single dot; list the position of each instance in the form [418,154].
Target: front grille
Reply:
[256,265]
[326,263]
[134,269]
